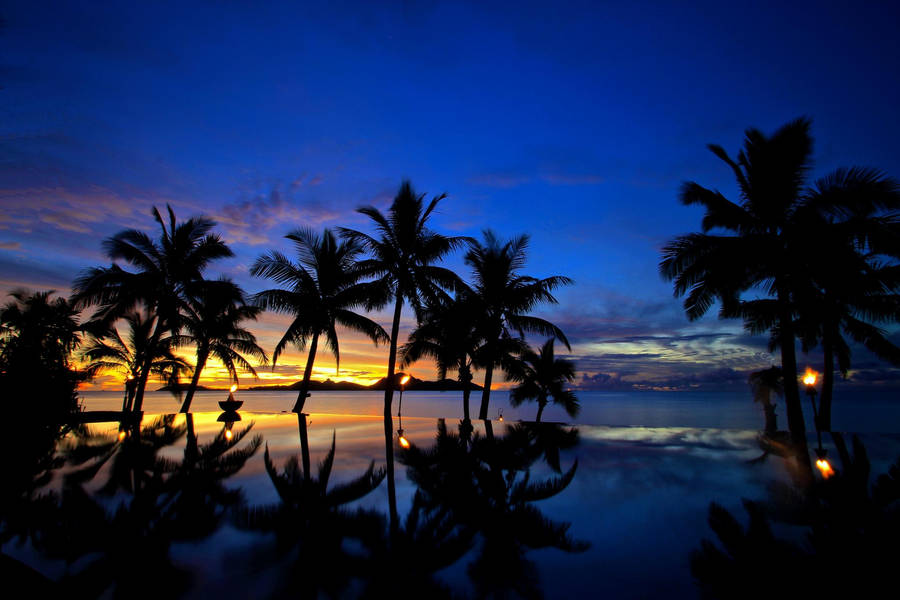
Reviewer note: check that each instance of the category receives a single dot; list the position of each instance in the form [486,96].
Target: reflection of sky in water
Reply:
[640,496]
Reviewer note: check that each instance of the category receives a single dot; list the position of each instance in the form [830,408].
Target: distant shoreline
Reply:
[442,385]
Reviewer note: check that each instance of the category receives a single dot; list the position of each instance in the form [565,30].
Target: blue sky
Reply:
[573,122]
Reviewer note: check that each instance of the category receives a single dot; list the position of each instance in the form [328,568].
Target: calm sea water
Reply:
[877,412]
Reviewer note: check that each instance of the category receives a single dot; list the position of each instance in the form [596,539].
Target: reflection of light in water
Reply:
[228,434]
[121,435]
[824,468]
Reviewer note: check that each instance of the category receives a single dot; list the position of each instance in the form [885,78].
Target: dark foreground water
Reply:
[170,507]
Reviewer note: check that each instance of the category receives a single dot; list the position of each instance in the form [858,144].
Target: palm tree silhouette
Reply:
[851,224]
[543,377]
[324,288]
[212,321]
[448,334]
[164,271]
[109,351]
[504,298]
[403,261]
[37,336]
[762,247]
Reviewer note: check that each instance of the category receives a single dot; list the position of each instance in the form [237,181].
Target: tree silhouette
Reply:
[109,351]
[212,321]
[448,334]
[37,335]
[165,270]
[505,297]
[761,249]
[403,260]
[764,383]
[543,377]
[324,289]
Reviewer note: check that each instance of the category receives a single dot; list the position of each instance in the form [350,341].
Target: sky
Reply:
[573,122]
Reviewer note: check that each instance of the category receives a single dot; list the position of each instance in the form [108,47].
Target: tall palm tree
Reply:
[212,321]
[852,224]
[543,377]
[164,270]
[505,297]
[448,334]
[403,258]
[110,352]
[325,287]
[761,247]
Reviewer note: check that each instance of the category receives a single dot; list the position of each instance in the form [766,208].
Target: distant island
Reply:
[414,384]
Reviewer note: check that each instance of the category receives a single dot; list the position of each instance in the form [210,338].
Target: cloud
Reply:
[251,219]
[10,245]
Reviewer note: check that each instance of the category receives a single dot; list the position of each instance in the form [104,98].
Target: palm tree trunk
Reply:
[486,393]
[191,449]
[541,405]
[789,369]
[388,420]
[824,423]
[465,377]
[148,363]
[304,385]
[202,355]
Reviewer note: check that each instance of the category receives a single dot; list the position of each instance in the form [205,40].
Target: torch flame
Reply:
[824,468]
[810,377]
[405,380]
[121,435]
[234,388]
[403,442]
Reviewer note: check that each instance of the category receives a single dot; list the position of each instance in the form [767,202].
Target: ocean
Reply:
[859,412]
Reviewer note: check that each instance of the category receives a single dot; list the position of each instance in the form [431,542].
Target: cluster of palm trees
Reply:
[166,303]
[822,259]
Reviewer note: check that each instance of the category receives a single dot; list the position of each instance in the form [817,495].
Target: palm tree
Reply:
[447,334]
[761,248]
[324,288]
[505,297]
[851,231]
[165,269]
[37,336]
[212,321]
[109,351]
[403,261]
[543,377]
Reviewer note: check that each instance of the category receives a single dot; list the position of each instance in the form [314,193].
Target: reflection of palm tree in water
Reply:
[167,501]
[484,484]
[849,545]
[311,522]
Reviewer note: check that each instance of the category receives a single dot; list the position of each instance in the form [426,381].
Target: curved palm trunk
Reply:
[791,391]
[304,386]
[824,423]
[542,402]
[388,420]
[145,368]
[486,393]
[202,355]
